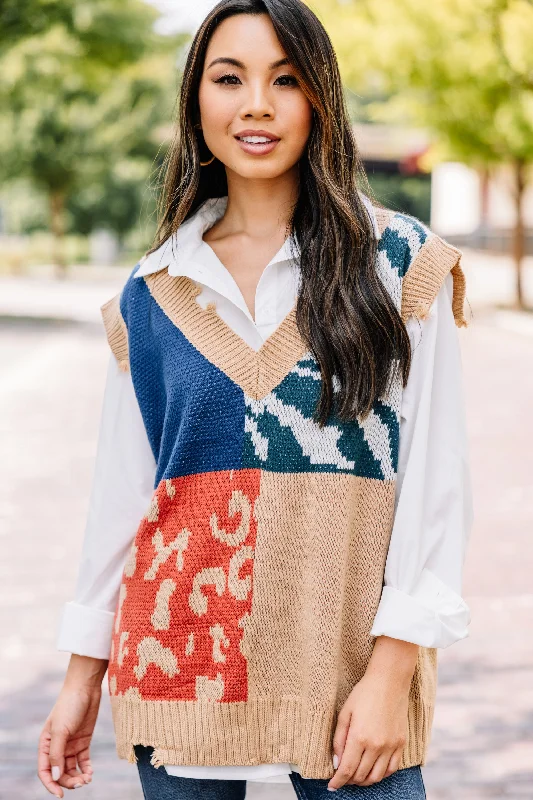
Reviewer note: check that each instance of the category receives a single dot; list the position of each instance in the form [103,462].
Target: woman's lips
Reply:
[260,149]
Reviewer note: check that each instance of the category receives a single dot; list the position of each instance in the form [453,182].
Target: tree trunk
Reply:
[519,233]
[484,186]
[57,225]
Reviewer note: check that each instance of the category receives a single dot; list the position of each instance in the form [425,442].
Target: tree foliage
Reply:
[83,89]
[461,68]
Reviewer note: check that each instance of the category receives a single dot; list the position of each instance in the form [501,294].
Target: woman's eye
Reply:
[223,78]
[232,80]
[290,78]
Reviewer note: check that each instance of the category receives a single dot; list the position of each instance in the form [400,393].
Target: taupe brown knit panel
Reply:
[371,509]
[116,331]
[304,524]
[370,516]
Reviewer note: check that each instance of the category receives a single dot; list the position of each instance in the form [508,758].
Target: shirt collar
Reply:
[185,252]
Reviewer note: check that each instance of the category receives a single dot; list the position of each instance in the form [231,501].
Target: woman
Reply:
[280,507]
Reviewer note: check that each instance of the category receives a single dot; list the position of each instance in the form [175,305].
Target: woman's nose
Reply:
[258,102]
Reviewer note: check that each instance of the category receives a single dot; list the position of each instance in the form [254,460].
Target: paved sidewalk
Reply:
[483,731]
[50,399]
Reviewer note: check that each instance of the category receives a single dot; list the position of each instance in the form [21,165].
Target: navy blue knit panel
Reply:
[144,357]
[193,413]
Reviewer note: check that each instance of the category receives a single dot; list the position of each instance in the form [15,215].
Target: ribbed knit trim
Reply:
[427,272]
[260,730]
[256,372]
[425,276]
[116,331]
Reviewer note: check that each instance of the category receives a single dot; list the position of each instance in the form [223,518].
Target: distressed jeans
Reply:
[157,784]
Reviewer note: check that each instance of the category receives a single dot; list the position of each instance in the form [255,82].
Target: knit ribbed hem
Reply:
[259,731]
[419,722]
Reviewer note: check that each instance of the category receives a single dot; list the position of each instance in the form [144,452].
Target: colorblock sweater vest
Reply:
[252,583]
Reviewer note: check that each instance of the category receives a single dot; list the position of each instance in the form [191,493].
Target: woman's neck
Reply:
[258,209]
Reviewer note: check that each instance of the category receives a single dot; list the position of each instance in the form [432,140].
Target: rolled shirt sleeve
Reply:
[421,600]
[121,492]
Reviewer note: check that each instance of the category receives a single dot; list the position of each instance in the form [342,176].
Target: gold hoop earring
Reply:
[204,163]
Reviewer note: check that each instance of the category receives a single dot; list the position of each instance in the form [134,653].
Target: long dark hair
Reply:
[343,312]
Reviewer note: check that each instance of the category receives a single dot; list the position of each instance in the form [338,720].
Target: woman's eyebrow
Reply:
[236,63]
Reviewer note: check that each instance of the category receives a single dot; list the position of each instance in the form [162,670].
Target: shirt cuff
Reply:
[86,631]
[433,615]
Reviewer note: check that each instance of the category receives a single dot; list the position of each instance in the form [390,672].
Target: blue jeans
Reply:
[157,784]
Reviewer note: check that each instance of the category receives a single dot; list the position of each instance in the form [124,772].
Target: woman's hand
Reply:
[66,734]
[371,726]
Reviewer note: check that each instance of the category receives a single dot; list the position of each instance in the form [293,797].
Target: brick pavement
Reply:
[50,398]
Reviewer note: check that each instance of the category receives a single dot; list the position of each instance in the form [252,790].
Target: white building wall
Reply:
[501,212]
[456,200]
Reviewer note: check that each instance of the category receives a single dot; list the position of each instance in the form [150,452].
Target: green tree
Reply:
[461,68]
[81,100]
[22,18]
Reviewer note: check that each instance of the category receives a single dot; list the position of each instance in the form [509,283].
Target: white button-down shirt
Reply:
[421,600]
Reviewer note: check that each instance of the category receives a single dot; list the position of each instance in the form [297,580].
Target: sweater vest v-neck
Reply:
[250,589]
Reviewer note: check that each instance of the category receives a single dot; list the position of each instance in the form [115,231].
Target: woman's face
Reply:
[245,89]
